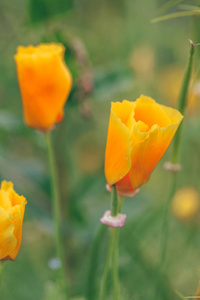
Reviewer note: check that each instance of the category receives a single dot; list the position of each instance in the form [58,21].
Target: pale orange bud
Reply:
[45,83]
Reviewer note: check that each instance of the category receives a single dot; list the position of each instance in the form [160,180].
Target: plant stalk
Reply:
[56,213]
[115,275]
[164,235]
[112,254]
[93,263]
[114,201]
[181,106]
[104,282]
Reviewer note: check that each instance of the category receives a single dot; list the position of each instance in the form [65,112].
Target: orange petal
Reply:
[124,111]
[118,148]
[149,147]
[150,112]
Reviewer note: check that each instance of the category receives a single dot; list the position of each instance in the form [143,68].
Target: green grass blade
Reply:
[176,15]
[168,5]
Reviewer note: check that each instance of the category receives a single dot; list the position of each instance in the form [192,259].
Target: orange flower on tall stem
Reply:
[139,133]
[12,207]
[45,83]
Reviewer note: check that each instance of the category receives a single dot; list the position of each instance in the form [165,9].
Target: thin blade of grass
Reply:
[168,5]
[188,7]
[176,15]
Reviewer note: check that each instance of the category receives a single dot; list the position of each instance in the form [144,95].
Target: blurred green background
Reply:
[114,52]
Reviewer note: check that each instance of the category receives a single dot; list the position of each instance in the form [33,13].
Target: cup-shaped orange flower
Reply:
[12,207]
[139,133]
[45,83]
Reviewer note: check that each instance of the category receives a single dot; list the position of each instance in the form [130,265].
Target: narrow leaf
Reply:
[176,15]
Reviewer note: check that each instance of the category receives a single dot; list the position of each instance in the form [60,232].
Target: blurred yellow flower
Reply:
[186,204]
[170,80]
[142,61]
[139,133]
[45,83]
[194,97]
[12,207]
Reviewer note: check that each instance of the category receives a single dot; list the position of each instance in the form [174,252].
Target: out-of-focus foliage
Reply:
[114,53]
[42,10]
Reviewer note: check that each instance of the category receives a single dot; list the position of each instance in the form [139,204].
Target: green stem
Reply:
[165,225]
[2,264]
[56,212]
[103,288]
[115,276]
[120,203]
[182,103]
[93,263]
[112,254]
[182,99]
[114,201]
[164,235]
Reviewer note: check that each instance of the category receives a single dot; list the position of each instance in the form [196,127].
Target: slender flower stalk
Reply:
[164,235]
[56,213]
[165,227]
[104,282]
[115,275]
[120,203]
[90,291]
[116,208]
[112,255]
[93,263]
[114,202]
[182,103]
[2,264]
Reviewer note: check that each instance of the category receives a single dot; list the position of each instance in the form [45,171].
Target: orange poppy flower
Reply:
[12,207]
[45,83]
[139,133]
